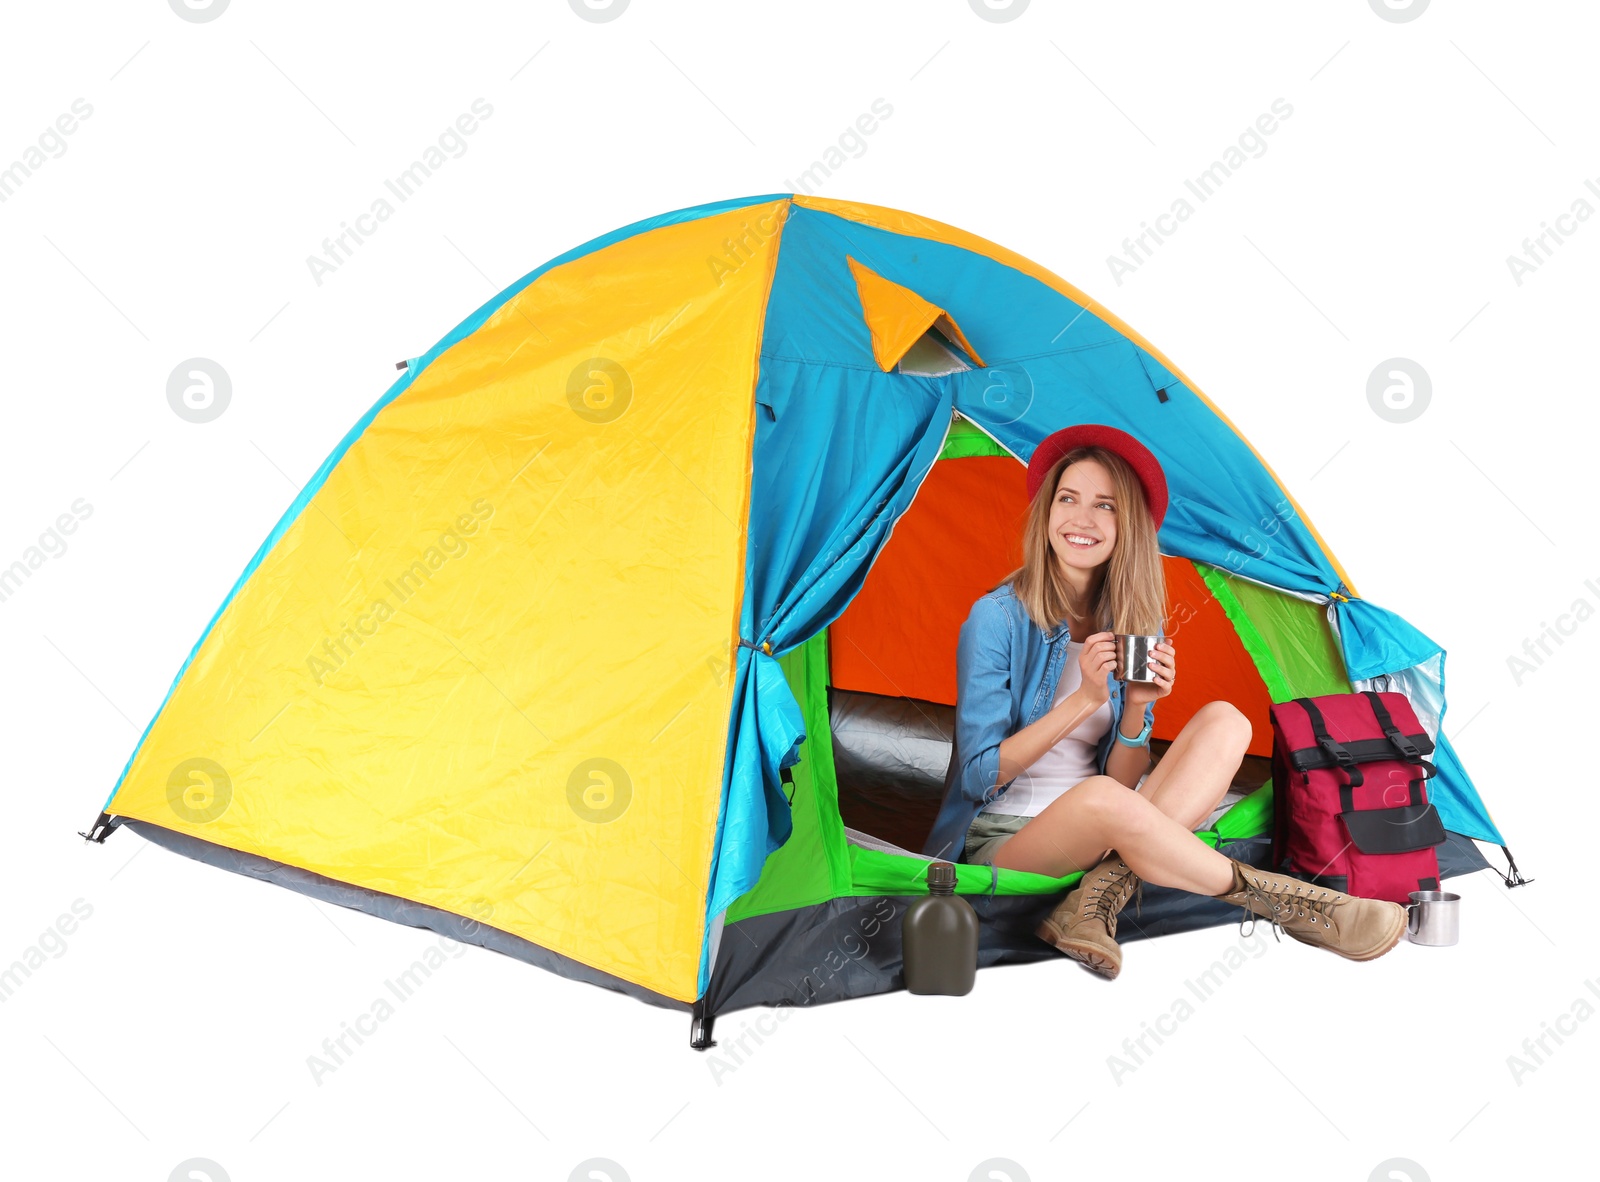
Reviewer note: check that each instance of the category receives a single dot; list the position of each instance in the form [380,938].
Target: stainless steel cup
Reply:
[1433,917]
[1133,657]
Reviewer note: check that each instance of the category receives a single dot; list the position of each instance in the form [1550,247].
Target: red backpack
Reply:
[1349,808]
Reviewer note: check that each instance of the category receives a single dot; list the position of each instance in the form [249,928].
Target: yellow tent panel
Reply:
[507,620]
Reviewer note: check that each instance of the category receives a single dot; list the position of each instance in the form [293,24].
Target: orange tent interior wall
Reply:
[960,537]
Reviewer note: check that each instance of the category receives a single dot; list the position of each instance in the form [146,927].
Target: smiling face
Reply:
[1090,551]
[1083,516]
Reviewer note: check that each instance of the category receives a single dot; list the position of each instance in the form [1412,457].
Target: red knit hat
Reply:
[1143,462]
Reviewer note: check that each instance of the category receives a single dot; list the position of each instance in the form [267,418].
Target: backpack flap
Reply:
[1398,830]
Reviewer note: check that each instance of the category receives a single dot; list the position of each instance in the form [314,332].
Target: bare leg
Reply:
[1075,831]
[1151,829]
[1197,769]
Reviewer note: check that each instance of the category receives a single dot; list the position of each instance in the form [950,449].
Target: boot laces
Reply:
[1300,903]
[1110,894]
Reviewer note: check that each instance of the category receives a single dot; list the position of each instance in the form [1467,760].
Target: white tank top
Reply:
[1070,762]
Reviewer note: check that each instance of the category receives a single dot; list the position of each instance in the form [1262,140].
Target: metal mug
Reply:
[1433,917]
[1133,657]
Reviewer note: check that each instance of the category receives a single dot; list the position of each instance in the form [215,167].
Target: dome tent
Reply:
[595,648]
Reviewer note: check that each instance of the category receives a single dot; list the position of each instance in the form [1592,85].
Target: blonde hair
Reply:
[1130,590]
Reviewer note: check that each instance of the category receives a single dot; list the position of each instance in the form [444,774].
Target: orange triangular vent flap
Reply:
[897,317]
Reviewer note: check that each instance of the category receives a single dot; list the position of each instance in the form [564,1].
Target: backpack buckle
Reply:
[1345,761]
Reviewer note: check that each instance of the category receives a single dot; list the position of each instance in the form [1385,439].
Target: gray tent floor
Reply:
[818,954]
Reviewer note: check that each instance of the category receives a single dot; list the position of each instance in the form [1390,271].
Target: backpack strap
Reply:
[1407,749]
[1343,758]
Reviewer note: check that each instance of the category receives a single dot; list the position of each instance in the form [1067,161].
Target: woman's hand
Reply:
[1163,664]
[1096,661]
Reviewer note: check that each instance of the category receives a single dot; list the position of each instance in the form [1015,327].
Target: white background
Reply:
[178,1019]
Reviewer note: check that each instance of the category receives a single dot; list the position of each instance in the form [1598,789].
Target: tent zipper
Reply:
[956,414]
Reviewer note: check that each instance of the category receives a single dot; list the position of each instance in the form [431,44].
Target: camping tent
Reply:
[591,642]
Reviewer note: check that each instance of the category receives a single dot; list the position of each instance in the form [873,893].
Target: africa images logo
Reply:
[199,790]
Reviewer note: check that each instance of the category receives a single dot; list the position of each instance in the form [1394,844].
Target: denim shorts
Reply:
[987,833]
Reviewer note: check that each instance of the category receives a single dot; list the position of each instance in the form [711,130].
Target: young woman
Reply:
[1050,746]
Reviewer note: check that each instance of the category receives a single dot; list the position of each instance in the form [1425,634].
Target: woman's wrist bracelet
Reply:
[1139,740]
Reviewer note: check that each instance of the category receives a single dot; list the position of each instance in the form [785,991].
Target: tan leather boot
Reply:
[1357,928]
[1084,924]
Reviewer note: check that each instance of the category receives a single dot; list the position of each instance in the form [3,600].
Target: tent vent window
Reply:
[931,356]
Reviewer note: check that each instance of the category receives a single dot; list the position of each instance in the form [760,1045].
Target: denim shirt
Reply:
[1007,670]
